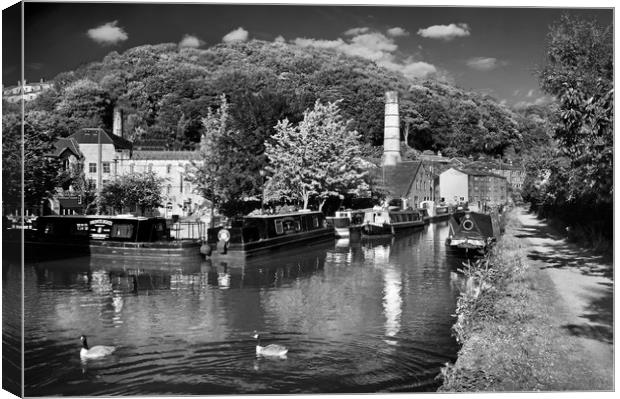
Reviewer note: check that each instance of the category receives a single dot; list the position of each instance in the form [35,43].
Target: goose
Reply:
[95,352]
[269,350]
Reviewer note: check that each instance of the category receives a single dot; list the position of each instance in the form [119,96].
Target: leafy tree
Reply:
[223,172]
[319,157]
[134,191]
[579,73]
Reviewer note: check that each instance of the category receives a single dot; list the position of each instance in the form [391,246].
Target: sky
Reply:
[490,50]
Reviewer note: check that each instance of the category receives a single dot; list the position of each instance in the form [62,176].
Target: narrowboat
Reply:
[388,221]
[435,212]
[347,223]
[103,235]
[250,235]
[473,230]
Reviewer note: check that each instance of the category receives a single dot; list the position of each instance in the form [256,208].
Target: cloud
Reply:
[516,92]
[397,31]
[279,39]
[237,35]
[356,31]
[484,63]
[544,100]
[190,41]
[108,34]
[530,93]
[445,32]
[374,46]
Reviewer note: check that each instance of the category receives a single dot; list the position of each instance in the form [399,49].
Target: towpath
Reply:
[580,286]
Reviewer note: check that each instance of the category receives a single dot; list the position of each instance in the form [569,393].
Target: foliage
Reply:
[319,157]
[133,191]
[579,73]
[228,166]
[41,173]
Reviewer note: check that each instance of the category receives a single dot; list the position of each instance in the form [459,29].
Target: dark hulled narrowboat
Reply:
[249,235]
[473,230]
[388,221]
[102,235]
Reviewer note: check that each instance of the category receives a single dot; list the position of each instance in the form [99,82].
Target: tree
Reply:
[579,73]
[225,169]
[319,157]
[134,190]
[41,172]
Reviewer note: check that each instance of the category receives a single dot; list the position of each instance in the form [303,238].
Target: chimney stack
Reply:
[117,122]
[391,132]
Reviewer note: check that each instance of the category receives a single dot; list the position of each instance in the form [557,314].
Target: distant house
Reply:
[410,182]
[178,193]
[514,174]
[68,151]
[476,187]
[26,91]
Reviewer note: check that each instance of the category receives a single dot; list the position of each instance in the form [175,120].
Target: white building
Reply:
[27,91]
[118,158]
[170,165]
[476,187]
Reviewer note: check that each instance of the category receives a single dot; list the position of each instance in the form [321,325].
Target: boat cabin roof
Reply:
[94,217]
[279,215]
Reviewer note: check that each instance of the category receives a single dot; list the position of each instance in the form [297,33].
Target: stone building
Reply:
[476,187]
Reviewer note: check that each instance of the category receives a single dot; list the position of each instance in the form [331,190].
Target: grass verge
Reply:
[508,319]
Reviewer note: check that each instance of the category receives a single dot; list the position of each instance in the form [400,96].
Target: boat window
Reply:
[79,229]
[48,229]
[279,228]
[122,231]
[315,221]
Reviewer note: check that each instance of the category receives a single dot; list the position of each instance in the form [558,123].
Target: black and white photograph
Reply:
[227,198]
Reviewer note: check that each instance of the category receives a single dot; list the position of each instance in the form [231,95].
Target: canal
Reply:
[366,316]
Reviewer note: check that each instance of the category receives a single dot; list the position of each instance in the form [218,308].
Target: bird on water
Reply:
[95,352]
[272,350]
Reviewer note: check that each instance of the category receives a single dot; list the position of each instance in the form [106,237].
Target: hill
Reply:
[165,90]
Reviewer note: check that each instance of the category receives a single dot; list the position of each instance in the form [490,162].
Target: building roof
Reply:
[397,179]
[90,136]
[66,144]
[478,172]
[165,155]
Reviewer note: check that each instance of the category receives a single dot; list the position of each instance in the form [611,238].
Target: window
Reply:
[150,167]
[180,182]
[106,167]
[168,189]
[79,229]
[131,168]
[279,227]
[122,231]
[92,167]
[168,168]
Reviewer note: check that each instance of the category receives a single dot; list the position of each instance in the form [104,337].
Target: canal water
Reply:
[357,316]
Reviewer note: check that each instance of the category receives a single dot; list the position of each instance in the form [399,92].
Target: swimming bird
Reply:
[272,350]
[95,352]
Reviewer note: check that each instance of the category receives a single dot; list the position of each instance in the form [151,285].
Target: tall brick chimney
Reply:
[391,132]
[117,122]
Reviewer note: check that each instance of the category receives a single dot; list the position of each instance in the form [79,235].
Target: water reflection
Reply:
[357,316]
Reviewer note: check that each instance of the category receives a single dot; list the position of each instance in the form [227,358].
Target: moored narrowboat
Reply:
[103,235]
[249,235]
[388,221]
[347,223]
[435,212]
[473,230]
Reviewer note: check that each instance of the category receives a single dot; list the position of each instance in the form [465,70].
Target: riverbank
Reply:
[539,318]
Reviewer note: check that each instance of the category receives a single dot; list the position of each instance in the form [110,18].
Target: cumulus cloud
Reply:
[484,63]
[397,31]
[108,34]
[356,31]
[374,46]
[530,93]
[190,41]
[279,39]
[544,100]
[237,35]
[445,32]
